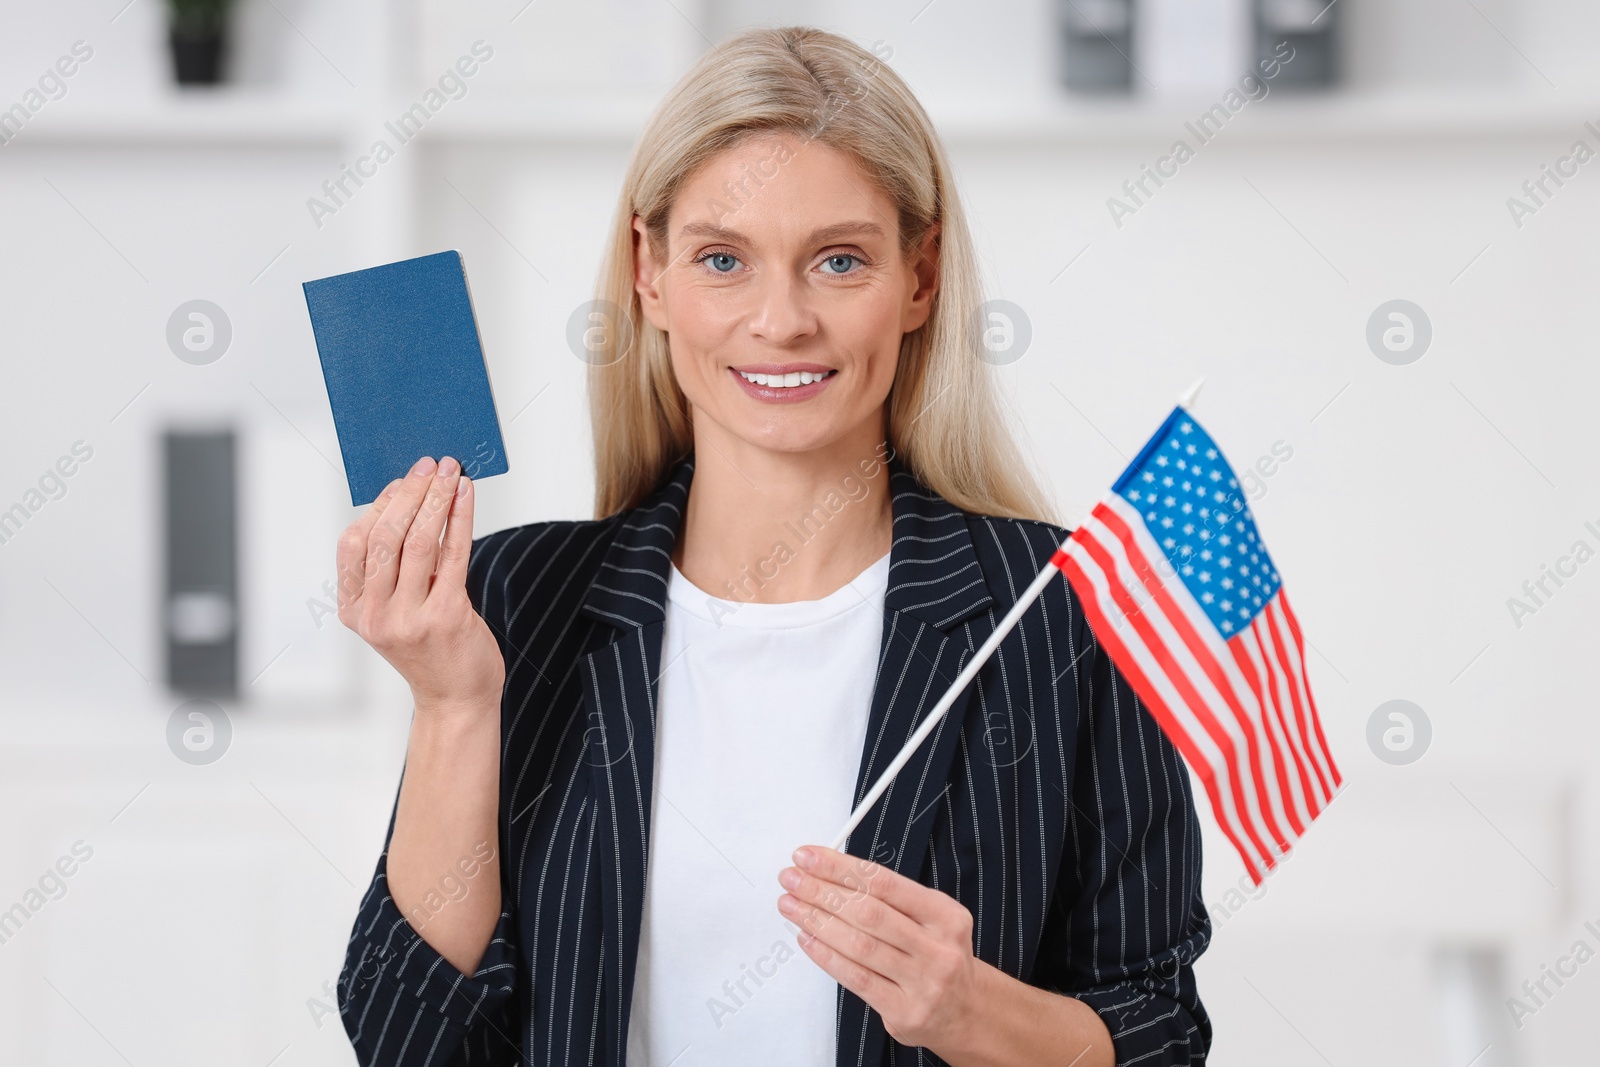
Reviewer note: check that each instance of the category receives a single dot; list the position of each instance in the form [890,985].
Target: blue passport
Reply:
[405,371]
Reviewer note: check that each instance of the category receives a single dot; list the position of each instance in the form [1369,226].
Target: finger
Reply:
[849,940]
[352,552]
[884,996]
[388,537]
[456,551]
[855,906]
[861,875]
[421,551]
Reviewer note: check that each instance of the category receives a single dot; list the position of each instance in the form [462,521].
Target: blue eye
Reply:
[842,261]
[721,262]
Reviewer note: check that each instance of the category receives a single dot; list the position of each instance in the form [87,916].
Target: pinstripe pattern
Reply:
[1048,801]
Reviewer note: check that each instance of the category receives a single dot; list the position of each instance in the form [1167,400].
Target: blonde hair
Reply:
[944,420]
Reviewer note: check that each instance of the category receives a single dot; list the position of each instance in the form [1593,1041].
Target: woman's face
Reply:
[784,295]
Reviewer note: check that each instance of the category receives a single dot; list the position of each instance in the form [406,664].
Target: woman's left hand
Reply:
[903,948]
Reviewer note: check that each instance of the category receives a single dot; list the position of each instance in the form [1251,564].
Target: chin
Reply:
[791,436]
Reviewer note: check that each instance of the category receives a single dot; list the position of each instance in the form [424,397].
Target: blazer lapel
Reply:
[620,690]
[935,584]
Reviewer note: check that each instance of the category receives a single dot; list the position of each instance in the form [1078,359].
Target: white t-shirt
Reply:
[762,716]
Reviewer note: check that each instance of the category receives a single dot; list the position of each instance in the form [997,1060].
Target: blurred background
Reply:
[1381,255]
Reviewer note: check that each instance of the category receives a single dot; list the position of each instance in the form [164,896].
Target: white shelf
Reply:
[1466,113]
[203,117]
[242,119]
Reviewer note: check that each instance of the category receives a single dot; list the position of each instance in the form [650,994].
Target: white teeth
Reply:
[785,381]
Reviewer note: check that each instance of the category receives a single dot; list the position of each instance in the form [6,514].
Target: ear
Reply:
[924,263]
[647,271]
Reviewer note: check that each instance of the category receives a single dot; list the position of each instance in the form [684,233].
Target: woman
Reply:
[810,515]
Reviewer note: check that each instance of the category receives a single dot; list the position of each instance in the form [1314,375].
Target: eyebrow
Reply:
[819,236]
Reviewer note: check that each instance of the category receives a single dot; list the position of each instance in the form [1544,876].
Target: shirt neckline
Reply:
[867,588]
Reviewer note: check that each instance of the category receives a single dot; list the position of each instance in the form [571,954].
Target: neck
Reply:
[763,526]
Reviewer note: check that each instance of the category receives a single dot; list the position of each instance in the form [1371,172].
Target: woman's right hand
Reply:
[405,593]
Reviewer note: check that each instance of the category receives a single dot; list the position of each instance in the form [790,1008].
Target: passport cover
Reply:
[405,371]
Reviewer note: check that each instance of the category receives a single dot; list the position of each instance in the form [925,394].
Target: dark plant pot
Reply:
[197,53]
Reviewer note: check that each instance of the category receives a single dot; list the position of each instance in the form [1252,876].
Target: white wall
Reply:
[1417,500]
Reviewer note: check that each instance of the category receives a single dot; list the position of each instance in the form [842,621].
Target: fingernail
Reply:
[789,878]
[447,466]
[787,904]
[463,487]
[423,465]
[804,857]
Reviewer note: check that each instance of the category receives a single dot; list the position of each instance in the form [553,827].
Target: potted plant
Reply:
[195,32]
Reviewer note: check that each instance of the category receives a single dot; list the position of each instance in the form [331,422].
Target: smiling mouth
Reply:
[792,380]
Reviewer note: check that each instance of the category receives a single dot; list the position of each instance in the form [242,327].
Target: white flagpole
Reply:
[985,650]
[922,732]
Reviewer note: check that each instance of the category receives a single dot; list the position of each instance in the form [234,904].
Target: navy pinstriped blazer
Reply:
[1048,801]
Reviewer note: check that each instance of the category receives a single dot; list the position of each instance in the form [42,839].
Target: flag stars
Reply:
[1192,504]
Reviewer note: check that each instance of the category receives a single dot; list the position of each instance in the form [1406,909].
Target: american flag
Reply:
[1177,584]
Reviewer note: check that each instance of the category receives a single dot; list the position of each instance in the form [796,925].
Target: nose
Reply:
[782,313]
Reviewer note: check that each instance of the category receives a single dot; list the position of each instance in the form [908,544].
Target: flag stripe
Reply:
[1088,586]
[1251,643]
[1292,803]
[1260,645]
[1305,681]
[1228,688]
[1213,718]
[1299,705]
[1161,648]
